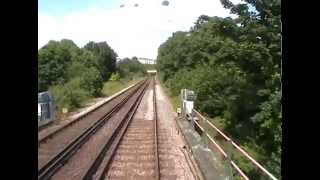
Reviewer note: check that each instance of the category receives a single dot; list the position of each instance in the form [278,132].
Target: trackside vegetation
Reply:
[76,75]
[129,71]
[234,66]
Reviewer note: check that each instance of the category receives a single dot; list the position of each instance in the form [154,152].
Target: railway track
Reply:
[135,152]
[94,114]
[126,143]
[59,147]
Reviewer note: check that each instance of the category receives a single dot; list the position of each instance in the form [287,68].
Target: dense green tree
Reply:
[105,58]
[76,69]
[53,60]
[72,73]
[127,67]
[90,77]
[74,50]
[234,67]
[91,81]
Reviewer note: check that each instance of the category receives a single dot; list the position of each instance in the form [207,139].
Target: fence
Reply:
[210,132]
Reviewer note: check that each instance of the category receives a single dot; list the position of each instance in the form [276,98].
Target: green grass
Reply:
[175,100]
[111,87]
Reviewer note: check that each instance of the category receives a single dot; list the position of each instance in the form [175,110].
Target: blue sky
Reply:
[63,7]
[130,31]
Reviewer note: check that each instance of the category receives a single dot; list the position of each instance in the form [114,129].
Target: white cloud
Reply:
[130,31]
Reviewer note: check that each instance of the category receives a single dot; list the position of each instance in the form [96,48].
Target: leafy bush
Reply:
[114,77]
[69,95]
[91,81]
[76,69]
[216,86]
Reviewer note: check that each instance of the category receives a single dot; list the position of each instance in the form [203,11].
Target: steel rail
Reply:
[50,135]
[60,158]
[111,145]
[155,113]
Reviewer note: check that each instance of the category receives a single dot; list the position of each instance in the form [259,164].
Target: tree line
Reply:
[76,74]
[234,66]
[129,67]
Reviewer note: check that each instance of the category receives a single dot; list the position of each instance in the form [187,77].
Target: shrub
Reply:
[69,95]
[114,77]
[91,81]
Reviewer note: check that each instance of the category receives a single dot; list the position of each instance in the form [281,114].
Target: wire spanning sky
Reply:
[129,30]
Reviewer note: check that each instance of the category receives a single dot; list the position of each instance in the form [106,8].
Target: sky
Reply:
[130,31]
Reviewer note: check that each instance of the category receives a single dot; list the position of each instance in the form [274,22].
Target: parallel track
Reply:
[81,119]
[57,160]
[135,132]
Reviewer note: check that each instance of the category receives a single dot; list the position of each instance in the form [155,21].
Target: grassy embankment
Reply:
[111,87]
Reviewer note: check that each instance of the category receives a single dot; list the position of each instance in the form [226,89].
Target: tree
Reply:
[127,67]
[91,81]
[90,77]
[53,60]
[234,67]
[105,58]
[74,50]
